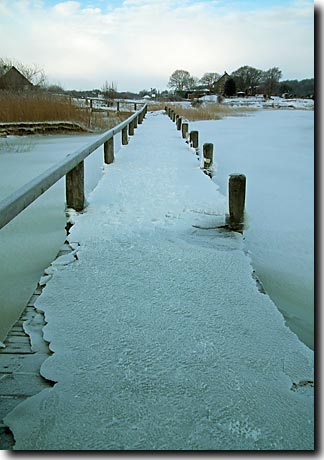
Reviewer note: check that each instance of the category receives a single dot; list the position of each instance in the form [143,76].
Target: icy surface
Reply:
[275,150]
[31,241]
[160,336]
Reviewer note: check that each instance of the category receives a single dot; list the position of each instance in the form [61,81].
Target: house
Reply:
[14,80]
[219,86]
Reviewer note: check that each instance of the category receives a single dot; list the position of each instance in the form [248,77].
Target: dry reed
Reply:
[209,111]
[34,106]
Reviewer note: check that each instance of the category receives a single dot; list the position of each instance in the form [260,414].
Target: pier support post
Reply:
[236,199]
[194,139]
[184,130]
[179,121]
[74,187]
[208,155]
[109,151]
[131,128]
[124,136]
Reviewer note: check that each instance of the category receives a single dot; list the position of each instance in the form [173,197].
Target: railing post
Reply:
[74,190]
[173,116]
[124,136]
[131,128]
[194,139]
[117,106]
[135,106]
[109,151]
[140,118]
[184,130]
[208,155]
[179,121]
[236,199]
[135,122]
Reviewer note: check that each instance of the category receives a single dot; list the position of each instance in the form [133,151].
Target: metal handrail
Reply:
[16,202]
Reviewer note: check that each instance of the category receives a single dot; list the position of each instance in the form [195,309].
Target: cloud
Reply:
[141,42]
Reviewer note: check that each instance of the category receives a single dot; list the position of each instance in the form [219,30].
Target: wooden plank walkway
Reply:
[21,359]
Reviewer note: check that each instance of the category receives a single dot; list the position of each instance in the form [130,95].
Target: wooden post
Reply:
[236,199]
[184,130]
[208,155]
[117,106]
[109,151]
[124,136]
[135,106]
[131,128]
[179,121]
[140,118]
[194,139]
[173,116]
[135,122]
[74,187]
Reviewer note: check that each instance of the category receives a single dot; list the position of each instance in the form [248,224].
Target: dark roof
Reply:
[13,79]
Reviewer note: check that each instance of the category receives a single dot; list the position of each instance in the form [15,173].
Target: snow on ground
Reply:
[258,101]
[161,338]
[275,150]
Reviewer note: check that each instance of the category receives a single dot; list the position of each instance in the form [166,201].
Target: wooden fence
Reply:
[237,182]
[72,167]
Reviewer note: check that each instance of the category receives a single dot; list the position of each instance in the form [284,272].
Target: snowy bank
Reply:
[161,339]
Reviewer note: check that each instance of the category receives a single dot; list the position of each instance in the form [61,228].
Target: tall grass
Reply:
[209,111]
[34,106]
[39,106]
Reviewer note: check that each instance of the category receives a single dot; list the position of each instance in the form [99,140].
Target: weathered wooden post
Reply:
[109,151]
[184,130]
[135,122]
[74,187]
[208,155]
[117,104]
[140,118]
[179,121]
[124,136]
[135,106]
[173,115]
[236,199]
[131,128]
[194,139]
[169,112]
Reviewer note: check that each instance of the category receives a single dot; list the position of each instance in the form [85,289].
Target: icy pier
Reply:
[161,339]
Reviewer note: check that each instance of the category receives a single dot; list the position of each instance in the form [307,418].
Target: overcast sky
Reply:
[139,43]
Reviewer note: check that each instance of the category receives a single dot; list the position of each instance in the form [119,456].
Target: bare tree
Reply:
[247,78]
[181,80]
[209,79]
[270,80]
[109,90]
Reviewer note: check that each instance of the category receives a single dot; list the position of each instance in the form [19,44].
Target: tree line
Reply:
[246,79]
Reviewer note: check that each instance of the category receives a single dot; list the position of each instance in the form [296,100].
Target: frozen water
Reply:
[275,149]
[31,241]
[161,339]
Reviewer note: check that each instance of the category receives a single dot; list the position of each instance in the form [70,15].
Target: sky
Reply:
[138,44]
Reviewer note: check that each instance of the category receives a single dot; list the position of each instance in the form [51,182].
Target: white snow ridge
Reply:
[161,339]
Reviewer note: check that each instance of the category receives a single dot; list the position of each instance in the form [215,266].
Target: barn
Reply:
[13,80]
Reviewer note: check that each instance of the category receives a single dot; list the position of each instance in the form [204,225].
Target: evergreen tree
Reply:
[230,87]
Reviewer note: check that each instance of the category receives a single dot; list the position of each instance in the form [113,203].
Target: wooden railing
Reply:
[73,168]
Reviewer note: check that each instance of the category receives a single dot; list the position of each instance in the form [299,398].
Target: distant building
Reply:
[15,81]
[219,86]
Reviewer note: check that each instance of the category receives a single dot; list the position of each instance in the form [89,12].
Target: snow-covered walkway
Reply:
[161,338]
